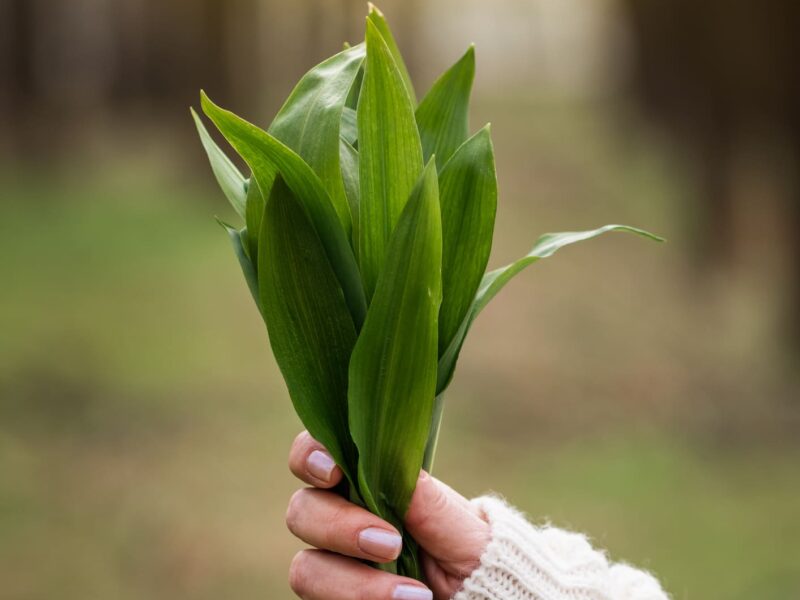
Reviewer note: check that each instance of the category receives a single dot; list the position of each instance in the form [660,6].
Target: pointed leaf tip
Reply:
[390,154]
[230,180]
[468,199]
[442,116]
[547,245]
[267,156]
[310,121]
[377,19]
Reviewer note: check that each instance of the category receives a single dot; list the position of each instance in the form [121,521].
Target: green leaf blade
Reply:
[238,241]
[355,90]
[349,128]
[390,155]
[254,212]
[310,120]
[547,245]
[310,328]
[230,180]
[442,116]
[468,197]
[266,156]
[393,367]
[377,19]
[348,157]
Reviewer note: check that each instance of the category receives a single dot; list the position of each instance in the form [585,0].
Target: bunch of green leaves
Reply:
[368,222]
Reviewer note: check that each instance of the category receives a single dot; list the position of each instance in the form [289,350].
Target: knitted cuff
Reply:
[628,582]
[523,562]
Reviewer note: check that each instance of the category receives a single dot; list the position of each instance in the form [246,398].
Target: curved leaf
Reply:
[494,281]
[266,155]
[468,197]
[228,177]
[442,116]
[390,155]
[310,119]
[310,329]
[393,367]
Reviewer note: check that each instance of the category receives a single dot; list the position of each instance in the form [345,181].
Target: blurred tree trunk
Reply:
[793,307]
[708,72]
[17,27]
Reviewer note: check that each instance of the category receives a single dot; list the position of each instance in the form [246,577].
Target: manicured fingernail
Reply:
[379,542]
[411,592]
[320,465]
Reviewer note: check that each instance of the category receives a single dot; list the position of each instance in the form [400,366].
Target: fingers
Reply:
[310,462]
[330,522]
[320,575]
[450,530]
[447,526]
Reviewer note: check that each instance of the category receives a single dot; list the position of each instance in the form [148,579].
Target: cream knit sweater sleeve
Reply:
[524,562]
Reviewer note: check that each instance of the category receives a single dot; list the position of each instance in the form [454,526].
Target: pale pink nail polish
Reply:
[320,465]
[380,542]
[411,592]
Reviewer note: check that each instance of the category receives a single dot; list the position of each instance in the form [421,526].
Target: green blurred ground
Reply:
[144,427]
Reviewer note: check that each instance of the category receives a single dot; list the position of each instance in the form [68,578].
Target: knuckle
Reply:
[439,502]
[298,573]
[433,504]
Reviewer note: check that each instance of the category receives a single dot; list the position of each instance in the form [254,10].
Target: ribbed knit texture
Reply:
[524,562]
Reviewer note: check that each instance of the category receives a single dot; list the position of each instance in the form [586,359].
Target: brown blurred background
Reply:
[646,394]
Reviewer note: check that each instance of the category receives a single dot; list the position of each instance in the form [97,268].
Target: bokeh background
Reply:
[646,394]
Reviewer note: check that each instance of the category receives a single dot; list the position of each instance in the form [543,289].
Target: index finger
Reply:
[310,462]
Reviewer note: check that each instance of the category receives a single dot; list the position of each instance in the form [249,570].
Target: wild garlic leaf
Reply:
[228,177]
[266,155]
[355,90]
[238,240]
[393,366]
[376,18]
[310,328]
[349,126]
[390,155]
[254,211]
[348,157]
[442,116]
[468,197]
[547,245]
[310,119]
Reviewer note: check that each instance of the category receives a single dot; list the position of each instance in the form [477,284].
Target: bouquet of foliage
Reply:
[368,221]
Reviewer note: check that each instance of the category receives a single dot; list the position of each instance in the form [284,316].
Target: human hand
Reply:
[450,531]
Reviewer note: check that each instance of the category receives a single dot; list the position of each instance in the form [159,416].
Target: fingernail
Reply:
[380,542]
[320,465]
[411,592]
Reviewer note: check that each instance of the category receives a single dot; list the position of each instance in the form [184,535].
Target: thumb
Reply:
[447,526]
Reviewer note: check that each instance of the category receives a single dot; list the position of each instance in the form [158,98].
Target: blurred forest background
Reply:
[646,394]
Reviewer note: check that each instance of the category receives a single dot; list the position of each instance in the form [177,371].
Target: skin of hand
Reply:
[451,533]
